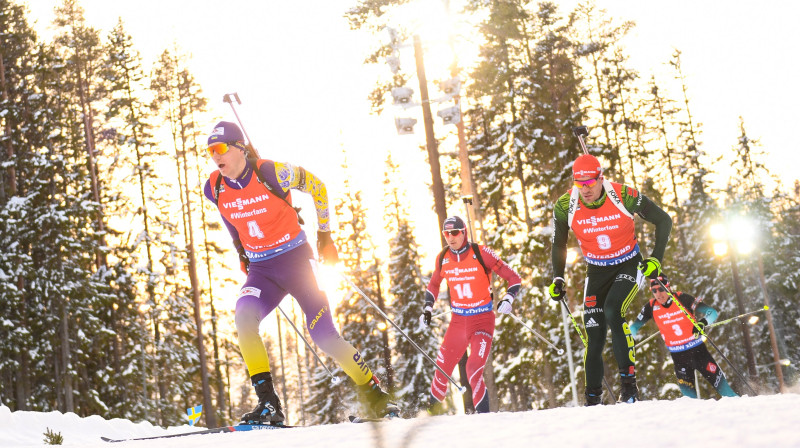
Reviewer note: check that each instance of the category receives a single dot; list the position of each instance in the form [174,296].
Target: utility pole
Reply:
[430,140]
[438,188]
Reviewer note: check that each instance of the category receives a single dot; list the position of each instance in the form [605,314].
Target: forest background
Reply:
[112,262]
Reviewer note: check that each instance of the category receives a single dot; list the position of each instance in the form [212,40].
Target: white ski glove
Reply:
[504,307]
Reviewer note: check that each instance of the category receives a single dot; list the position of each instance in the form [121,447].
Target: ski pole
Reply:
[460,388]
[648,338]
[467,202]
[703,333]
[334,379]
[441,315]
[737,317]
[580,132]
[586,346]
[226,98]
[560,351]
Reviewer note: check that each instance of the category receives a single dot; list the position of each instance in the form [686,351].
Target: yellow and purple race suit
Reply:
[281,259]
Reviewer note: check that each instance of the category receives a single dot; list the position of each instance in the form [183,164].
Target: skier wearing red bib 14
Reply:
[255,201]
[600,213]
[683,340]
[468,270]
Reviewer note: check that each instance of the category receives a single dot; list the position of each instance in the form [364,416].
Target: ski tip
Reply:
[357,419]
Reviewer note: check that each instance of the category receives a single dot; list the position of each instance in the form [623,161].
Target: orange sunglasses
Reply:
[219,148]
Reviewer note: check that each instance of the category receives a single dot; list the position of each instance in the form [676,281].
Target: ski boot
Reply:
[594,396]
[268,411]
[629,393]
[434,407]
[377,401]
[482,407]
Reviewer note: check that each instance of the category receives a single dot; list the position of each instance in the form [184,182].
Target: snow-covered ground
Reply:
[765,421]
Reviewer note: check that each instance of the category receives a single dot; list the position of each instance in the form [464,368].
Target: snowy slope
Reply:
[766,421]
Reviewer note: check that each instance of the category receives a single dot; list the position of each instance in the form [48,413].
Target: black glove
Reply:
[425,318]
[326,249]
[700,323]
[556,289]
[244,262]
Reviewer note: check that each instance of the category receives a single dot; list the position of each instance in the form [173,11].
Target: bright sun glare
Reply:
[443,34]
[330,279]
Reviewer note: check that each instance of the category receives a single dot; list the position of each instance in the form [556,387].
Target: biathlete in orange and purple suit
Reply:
[255,201]
[467,268]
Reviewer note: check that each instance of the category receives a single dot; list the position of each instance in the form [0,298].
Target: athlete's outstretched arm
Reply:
[297,178]
[231,229]
[644,315]
[704,311]
[560,235]
[650,212]
[494,263]
[432,291]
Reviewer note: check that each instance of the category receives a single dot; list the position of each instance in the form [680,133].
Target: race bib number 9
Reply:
[603,242]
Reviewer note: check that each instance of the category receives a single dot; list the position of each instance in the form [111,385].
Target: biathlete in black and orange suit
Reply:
[601,213]
[683,340]
[472,324]
[254,199]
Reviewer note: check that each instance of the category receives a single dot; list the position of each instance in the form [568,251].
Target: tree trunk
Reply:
[209,413]
[69,403]
[11,173]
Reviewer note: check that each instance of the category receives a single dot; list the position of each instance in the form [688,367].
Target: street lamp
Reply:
[739,231]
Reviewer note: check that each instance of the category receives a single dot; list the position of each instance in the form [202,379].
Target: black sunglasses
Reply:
[658,289]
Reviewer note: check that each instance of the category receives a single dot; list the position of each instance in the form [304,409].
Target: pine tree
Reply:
[18,63]
[748,203]
[412,369]
[530,89]
[601,36]
[359,321]
[178,100]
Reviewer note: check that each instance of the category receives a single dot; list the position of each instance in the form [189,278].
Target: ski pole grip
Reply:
[580,131]
[226,98]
